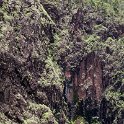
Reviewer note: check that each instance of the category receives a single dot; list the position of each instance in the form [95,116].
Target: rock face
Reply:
[88,78]
[84,86]
[86,81]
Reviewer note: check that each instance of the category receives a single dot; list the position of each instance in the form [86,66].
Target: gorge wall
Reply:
[61,62]
[85,84]
[86,80]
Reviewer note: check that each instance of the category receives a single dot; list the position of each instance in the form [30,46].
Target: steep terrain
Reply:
[61,62]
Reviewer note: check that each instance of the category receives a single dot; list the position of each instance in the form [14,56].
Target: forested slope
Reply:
[61,62]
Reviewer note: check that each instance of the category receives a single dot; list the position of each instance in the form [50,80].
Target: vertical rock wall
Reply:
[86,80]
[84,87]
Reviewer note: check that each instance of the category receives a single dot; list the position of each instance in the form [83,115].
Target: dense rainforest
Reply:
[61,62]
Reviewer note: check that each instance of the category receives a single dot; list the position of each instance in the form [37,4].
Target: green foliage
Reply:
[95,120]
[79,120]
[38,114]
[112,8]
[52,74]
[5,120]
[24,34]
[115,95]
[33,16]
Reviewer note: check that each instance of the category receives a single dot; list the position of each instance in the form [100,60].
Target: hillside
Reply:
[61,61]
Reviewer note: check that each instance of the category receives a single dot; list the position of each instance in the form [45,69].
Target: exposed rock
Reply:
[86,80]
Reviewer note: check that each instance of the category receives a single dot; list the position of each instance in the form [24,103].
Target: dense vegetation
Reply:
[39,39]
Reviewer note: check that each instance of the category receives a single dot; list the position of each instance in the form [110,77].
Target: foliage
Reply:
[53,33]
[52,74]
[95,120]
[80,120]
[39,114]
[5,120]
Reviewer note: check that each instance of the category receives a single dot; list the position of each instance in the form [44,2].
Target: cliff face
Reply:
[85,84]
[88,78]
